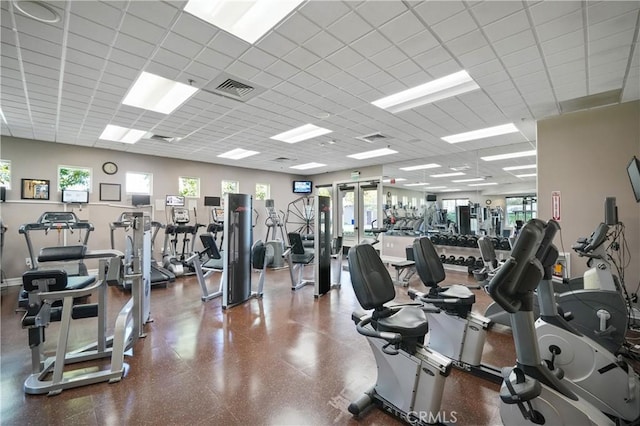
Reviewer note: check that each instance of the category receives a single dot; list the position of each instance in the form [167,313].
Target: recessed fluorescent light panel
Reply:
[510,155]
[301,133]
[435,90]
[372,154]
[157,93]
[527,175]
[528,166]
[121,134]
[481,133]
[307,166]
[248,20]
[420,167]
[238,154]
[436,187]
[416,184]
[448,174]
[450,190]
[483,184]
[467,180]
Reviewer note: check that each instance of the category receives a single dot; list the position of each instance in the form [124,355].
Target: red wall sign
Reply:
[555,205]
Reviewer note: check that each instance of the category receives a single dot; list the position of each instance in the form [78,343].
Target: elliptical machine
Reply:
[531,393]
[180,218]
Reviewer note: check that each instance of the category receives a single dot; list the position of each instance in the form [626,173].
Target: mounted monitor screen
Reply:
[140,200]
[302,187]
[212,201]
[174,200]
[73,196]
[432,197]
[633,169]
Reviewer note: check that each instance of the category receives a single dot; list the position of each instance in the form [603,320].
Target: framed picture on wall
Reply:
[34,189]
[109,192]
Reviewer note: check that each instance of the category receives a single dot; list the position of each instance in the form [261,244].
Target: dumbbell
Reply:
[470,261]
[460,260]
[479,263]
[504,244]
[436,239]
[472,241]
[451,260]
[496,243]
[443,258]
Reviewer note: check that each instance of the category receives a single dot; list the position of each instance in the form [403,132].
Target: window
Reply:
[405,201]
[189,186]
[450,207]
[77,178]
[414,202]
[394,201]
[324,191]
[5,173]
[230,186]
[139,183]
[521,208]
[263,191]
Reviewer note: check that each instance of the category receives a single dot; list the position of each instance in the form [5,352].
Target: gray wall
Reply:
[584,155]
[40,160]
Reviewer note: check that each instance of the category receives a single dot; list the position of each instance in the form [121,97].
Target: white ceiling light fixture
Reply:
[435,90]
[450,190]
[467,180]
[509,155]
[482,133]
[441,175]
[372,154]
[157,93]
[301,133]
[527,175]
[121,134]
[528,166]
[238,154]
[248,20]
[416,184]
[436,187]
[420,167]
[483,184]
[395,179]
[307,166]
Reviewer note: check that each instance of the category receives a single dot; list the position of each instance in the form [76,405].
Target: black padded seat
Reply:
[408,322]
[55,254]
[57,280]
[298,253]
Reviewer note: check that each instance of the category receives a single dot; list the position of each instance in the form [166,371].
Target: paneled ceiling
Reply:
[323,64]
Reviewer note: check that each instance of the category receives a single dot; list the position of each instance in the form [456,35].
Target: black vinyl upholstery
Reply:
[298,253]
[57,280]
[428,263]
[210,245]
[53,254]
[371,281]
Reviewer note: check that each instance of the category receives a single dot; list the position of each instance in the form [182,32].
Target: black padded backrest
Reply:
[56,280]
[258,252]
[210,245]
[295,241]
[428,264]
[408,250]
[371,281]
[487,251]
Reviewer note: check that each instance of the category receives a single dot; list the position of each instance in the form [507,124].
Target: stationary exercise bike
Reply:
[411,377]
[456,333]
[531,393]
[596,374]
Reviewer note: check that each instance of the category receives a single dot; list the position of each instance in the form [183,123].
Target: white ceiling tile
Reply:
[523,56]
[345,58]
[98,11]
[489,11]
[181,45]
[257,58]
[564,42]
[477,57]
[569,55]
[418,43]
[276,44]
[371,44]
[282,70]
[363,69]
[133,45]
[402,27]
[41,30]
[323,69]
[613,55]
[349,28]
[163,69]
[454,26]
[242,70]
[96,62]
[443,69]
[51,48]
[228,44]
[194,29]
[567,68]
[324,13]
[89,46]
[514,43]
[139,28]
[434,12]
[298,29]
[388,58]
[304,79]
[157,12]
[549,10]
[202,74]
[267,80]
[214,59]
[433,57]
[81,70]
[377,14]
[301,58]
[505,27]
[613,68]
[612,26]
[323,44]
[526,68]
[605,10]
[624,38]
[404,69]
[557,27]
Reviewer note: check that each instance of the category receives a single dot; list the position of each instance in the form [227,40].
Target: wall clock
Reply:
[110,168]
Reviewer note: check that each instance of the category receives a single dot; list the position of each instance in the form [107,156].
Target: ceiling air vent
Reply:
[373,137]
[233,87]
[461,168]
[282,159]
[591,101]
[161,138]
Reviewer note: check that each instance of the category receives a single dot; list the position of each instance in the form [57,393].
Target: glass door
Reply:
[359,210]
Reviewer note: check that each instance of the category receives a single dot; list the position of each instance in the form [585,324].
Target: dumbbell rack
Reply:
[458,251]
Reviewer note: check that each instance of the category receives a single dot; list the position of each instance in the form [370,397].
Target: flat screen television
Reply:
[633,169]
[302,187]
[140,200]
[174,200]
[212,201]
[74,196]
[432,197]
